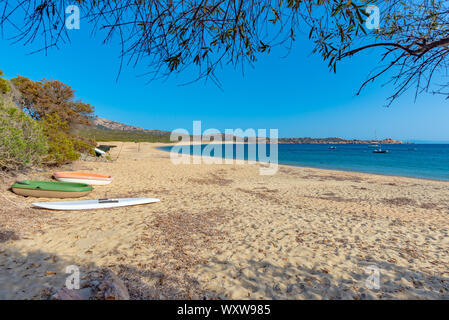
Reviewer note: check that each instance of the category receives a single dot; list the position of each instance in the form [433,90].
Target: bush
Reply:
[22,140]
[84,145]
[61,148]
[42,132]
[4,84]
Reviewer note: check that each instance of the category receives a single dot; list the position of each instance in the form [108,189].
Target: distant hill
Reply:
[108,130]
[105,124]
[337,141]
[105,130]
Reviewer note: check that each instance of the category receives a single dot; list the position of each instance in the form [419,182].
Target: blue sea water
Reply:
[429,161]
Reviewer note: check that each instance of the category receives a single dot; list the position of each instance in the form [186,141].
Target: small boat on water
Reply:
[83,177]
[94,204]
[332,148]
[378,147]
[50,189]
[380,151]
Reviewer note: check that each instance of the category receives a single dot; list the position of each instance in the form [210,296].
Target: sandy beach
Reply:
[226,232]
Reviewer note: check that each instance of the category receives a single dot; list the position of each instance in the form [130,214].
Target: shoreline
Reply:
[310,167]
[225,232]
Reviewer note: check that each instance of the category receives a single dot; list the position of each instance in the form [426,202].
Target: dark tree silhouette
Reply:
[175,35]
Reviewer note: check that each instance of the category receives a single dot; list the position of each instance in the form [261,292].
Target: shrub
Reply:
[4,84]
[22,140]
[84,145]
[61,148]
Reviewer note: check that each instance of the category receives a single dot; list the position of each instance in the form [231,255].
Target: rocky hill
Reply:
[105,124]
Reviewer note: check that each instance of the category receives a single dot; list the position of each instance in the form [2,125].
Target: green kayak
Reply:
[50,189]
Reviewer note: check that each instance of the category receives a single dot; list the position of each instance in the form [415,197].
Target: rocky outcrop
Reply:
[113,125]
[337,141]
[106,124]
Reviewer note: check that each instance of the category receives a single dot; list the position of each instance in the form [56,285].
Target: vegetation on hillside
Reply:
[22,139]
[4,84]
[53,103]
[120,135]
[61,147]
[41,123]
[41,98]
[37,124]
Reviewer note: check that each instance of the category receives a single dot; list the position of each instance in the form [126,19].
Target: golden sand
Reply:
[224,231]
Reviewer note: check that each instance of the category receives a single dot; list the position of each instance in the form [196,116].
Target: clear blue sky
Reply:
[295,94]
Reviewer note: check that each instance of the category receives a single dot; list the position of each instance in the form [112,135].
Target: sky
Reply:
[295,94]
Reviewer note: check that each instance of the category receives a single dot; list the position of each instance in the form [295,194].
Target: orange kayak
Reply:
[83,177]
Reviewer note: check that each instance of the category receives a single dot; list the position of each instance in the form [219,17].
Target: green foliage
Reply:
[412,38]
[61,149]
[84,144]
[22,140]
[42,132]
[199,37]
[124,136]
[40,98]
[4,84]
[64,147]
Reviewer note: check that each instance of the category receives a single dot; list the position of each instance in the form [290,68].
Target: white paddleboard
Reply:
[94,204]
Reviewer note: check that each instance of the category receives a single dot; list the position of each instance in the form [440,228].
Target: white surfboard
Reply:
[94,204]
